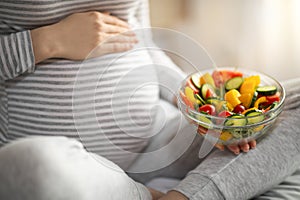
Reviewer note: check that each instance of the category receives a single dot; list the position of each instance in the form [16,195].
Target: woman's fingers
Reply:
[252,144]
[115,47]
[245,147]
[234,148]
[221,147]
[119,38]
[122,39]
[113,29]
[107,48]
[108,28]
[155,193]
[86,31]
[114,21]
[115,43]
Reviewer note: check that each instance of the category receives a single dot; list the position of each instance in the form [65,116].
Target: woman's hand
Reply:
[173,195]
[155,194]
[76,36]
[245,147]
[237,148]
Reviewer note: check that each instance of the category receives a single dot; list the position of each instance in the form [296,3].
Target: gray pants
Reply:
[60,169]
[57,168]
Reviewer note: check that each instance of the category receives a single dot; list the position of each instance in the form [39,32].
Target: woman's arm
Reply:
[75,37]
[16,55]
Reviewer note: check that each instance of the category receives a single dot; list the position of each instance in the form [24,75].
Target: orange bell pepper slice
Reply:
[259,101]
[250,84]
[246,99]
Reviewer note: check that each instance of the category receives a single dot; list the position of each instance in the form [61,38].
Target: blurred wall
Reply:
[262,35]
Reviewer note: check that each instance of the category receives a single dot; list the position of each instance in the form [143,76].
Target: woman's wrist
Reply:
[44,43]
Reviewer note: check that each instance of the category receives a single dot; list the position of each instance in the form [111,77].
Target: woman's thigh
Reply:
[49,168]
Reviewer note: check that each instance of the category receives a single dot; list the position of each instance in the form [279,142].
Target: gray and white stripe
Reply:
[41,100]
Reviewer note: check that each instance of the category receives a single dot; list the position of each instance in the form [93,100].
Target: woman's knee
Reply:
[31,168]
[59,168]
[36,151]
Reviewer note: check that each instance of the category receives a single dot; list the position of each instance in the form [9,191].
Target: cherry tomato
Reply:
[209,93]
[239,109]
[224,114]
[209,109]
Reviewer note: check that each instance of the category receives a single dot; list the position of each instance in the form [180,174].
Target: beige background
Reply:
[262,35]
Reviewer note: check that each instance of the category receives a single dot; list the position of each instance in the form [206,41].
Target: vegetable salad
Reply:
[230,96]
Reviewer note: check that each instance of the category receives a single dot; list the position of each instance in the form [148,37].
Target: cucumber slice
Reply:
[254,116]
[267,90]
[200,99]
[236,120]
[254,98]
[204,113]
[204,120]
[212,100]
[205,87]
[273,105]
[196,80]
[234,83]
[270,107]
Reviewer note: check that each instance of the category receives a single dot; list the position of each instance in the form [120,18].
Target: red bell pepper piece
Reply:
[273,98]
[221,76]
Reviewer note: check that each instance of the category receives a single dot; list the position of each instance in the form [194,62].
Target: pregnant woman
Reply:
[47,90]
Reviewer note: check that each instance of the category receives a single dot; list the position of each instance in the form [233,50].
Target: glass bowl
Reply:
[213,128]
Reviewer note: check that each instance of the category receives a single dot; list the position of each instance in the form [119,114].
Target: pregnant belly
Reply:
[107,103]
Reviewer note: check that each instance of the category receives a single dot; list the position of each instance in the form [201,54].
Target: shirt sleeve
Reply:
[169,74]
[16,55]
[223,175]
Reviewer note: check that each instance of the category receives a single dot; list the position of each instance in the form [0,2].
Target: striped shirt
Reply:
[108,103]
